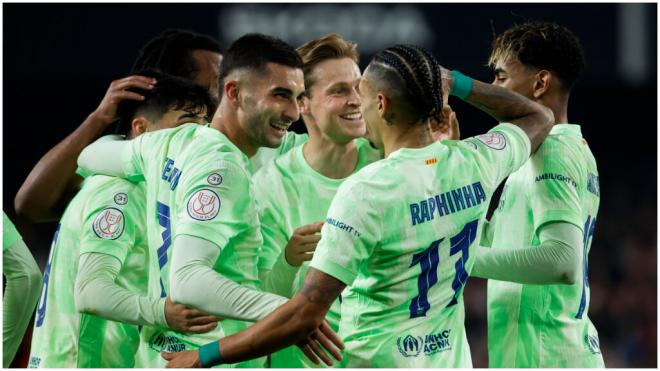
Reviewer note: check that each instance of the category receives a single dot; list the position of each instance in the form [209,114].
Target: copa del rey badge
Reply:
[493,140]
[109,223]
[203,205]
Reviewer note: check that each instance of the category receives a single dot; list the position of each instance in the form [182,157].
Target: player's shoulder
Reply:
[367,152]
[107,190]
[562,149]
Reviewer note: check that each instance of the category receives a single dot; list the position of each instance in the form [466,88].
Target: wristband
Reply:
[462,85]
[209,354]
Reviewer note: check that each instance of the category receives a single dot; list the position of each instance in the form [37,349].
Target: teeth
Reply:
[352,116]
[280,126]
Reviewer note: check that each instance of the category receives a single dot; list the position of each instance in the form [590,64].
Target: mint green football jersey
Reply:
[545,325]
[198,183]
[401,233]
[266,155]
[291,194]
[9,233]
[106,216]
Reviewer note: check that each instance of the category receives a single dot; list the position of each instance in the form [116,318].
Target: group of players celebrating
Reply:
[349,245]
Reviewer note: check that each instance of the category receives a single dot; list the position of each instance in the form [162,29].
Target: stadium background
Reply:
[60,58]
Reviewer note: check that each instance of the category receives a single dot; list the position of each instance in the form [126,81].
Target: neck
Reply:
[406,136]
[330,159]
[225,120]
[559,106]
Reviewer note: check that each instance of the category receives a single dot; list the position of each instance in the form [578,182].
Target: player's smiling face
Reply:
[334,102]
[270,104]
[511,74]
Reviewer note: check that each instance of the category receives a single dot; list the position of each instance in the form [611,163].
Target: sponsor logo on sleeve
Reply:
[492,140]
[214,179]
[109,223]
[558,177]
[121,198]
[413,346]
[343,226]
[203,205]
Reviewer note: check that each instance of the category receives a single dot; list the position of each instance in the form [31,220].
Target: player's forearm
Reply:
[194,283]
[290,324]
[557,260]
[97,293]
[279,279]
[507,106]
[104,156]
[49,183]
[20,297]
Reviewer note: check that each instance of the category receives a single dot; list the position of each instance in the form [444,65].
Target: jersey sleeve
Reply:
[213,200]
[111,219]
[501,151]
[9,233]
[350,233]
[134,156]
[554,195]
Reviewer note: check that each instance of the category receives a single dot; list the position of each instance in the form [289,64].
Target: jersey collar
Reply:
[567,129]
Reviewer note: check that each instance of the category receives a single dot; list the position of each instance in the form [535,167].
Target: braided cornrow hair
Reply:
[420,73]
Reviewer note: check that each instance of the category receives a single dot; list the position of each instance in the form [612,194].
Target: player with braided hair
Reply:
[402,244]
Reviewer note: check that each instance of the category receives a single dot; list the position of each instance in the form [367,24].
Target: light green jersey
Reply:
[400,233]
[291,194]
[545,325]
[199,184]
[266,155]
[9,233]
[105,216]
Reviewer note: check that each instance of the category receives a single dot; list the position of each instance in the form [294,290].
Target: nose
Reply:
[354,98]
[292,111]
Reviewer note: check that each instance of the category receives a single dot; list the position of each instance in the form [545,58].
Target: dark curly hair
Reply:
[544,45]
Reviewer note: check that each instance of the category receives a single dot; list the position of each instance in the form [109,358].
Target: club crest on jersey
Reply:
[492,140]
[203,205]
[214,179]
[109,223]
[121,198]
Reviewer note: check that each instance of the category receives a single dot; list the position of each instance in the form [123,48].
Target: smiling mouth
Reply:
[280,126]
[353,116]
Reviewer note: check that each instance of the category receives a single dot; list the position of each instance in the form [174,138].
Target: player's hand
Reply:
[448,129]
[106,112]
[181,318]
[183,359]
[322,338]
[302,244]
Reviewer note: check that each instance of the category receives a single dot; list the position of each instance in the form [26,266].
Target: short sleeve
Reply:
[111,219]
[501,151]
[214,202]
[350,233]
[554,195]
[9,233]
[132,158]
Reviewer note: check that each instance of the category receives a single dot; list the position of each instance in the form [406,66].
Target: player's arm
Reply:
[299,321]
[23,285]
[101,157]
[503,105]
[556,260]
[298,249]
[52,182]
[97,293]
[195,283]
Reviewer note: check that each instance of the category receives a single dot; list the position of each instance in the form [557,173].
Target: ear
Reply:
[232,92]
[542,83]
[385,108]
[140,125]
[305,106]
